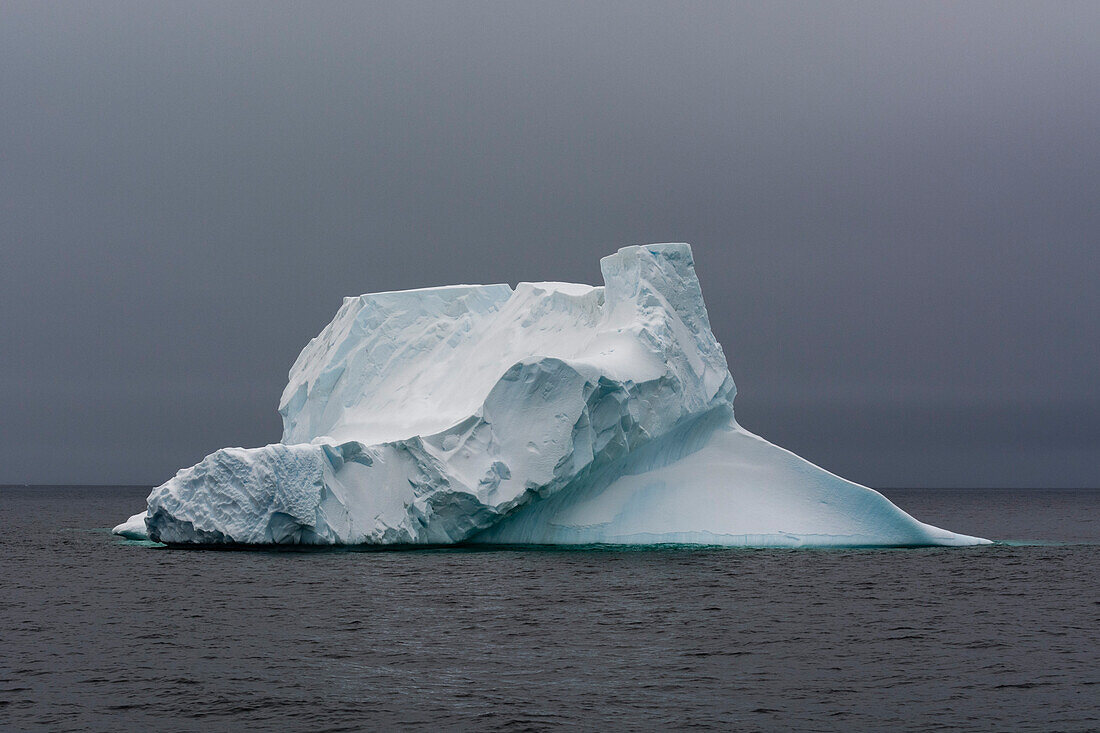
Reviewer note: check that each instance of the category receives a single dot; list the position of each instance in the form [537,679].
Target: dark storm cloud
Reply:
[895,210]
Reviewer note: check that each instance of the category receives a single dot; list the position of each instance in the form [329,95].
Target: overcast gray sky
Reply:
[894,207]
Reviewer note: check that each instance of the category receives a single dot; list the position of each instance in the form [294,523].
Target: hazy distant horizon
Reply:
[893,211]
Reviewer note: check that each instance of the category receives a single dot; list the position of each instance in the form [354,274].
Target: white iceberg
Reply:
[554,413]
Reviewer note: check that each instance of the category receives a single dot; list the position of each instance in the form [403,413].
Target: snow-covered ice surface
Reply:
[554,413]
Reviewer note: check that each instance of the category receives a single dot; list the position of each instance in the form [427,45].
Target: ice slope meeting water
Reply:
[553,413]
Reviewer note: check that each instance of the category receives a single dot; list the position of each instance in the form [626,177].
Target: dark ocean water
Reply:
[97,633]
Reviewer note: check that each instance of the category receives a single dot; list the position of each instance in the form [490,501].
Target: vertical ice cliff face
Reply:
[554,412]
[376,367]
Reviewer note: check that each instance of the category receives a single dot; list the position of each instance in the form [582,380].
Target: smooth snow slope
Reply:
[554,413]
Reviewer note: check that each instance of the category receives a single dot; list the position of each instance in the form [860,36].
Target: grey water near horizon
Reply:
[101,633]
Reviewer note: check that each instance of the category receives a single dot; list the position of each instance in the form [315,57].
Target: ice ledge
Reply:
[433,290]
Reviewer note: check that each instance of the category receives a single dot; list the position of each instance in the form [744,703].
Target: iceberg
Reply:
[551,413]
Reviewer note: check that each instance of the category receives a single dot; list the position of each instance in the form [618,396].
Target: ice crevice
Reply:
[552,413]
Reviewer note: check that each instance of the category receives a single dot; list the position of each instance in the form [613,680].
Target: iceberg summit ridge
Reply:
[552,413]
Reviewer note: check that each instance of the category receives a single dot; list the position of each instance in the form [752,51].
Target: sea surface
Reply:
[98,633]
